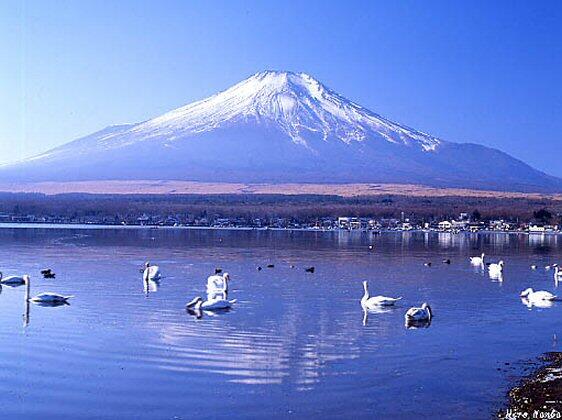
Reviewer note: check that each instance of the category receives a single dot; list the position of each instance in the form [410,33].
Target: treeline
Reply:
[301,207]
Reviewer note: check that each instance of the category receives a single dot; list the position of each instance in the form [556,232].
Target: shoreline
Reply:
[539,394]
[86,226]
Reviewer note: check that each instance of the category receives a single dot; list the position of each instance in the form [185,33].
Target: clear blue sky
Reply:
[473,71]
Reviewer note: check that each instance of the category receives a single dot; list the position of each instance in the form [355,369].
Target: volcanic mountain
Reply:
[278,127]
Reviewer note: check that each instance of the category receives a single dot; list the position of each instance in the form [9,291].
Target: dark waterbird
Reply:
[447,261]
[309,270]
[270,265]
[48,273]
[218,270]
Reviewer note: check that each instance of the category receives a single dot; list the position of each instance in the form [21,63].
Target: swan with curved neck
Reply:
[497,268]
[151,272]
[45,297]
[423,313]
[368,301]
[477,260]
[539,295]
[218,283]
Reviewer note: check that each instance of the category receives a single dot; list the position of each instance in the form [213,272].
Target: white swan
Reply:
[423,313]
[477,260]
[218,283]
[151,272]
[496,268]
[539,295]
[214,304]
[557,273]
[368,302]
[45,297]
[543,304]
[12,280]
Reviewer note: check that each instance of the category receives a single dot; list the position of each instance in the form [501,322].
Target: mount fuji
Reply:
[278,127]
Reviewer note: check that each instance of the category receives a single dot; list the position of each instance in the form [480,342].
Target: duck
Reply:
[477,260]
[447,261]
[214,304]
[423,313]
[218,283]
[531,295]
[496,268]
[258,268]
[151,272]
[12,280]
[48,273]
[533,266]
[373,302]
[270,265]
[218,270]
[309,269]
[427,264]
[45,297]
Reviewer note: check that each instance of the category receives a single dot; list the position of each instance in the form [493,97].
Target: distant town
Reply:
[464,222]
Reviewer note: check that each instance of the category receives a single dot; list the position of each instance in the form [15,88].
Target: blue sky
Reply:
[483,72]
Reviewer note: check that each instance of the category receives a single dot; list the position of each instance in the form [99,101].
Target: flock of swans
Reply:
[217,292]
[416,317]
[540,298]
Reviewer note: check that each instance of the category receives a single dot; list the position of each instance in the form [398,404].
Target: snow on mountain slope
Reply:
[278,127]
[297,103]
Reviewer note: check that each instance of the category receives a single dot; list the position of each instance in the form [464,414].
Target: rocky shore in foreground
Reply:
[539,395]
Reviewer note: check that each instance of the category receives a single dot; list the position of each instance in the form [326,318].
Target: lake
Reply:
[295,344]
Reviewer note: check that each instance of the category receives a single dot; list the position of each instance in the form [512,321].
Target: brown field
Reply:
[188,187]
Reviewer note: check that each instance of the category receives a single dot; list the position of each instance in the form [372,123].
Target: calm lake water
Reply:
[295,344]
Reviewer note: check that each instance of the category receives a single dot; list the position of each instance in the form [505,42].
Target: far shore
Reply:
[85,226]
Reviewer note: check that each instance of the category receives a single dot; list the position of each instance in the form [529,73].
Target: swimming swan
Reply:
[533,296]
[424,313]
[151,272]
[45,297]
[496,268]
[218,283]
[542,304]
[214,304]
[368,302]
[477,260]
[12,280]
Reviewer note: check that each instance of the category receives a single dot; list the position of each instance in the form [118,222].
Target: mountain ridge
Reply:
[279,126]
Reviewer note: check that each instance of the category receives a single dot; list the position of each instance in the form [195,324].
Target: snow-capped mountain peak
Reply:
[296,103]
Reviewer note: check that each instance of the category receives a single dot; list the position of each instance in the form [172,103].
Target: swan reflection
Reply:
[496,276]
[376,311]
[413,324]
[27,310]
